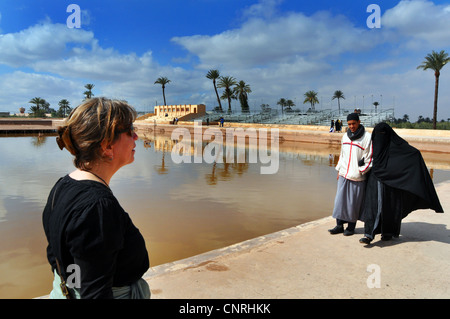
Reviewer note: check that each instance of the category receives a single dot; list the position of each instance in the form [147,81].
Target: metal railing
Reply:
[368,117]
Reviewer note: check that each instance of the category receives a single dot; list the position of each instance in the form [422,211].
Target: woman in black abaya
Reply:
[398,184]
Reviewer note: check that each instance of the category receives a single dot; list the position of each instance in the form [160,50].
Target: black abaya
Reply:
[398,184]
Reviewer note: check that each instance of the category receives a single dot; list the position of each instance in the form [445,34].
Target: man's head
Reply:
[353,122]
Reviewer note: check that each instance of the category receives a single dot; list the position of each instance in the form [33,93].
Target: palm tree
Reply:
[435,61]
[38,102]
[242,90]
[376,104]
[214,75]
[64,106]
[40,107]
[406,118]
[311,97]
[163,81]
[290,104]
[88,93]
[282,102]
[338,95]
[229,95]
[227,82]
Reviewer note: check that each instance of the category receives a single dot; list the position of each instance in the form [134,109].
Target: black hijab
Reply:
[401,166]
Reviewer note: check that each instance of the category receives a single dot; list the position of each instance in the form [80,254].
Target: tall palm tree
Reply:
[242,90]
[163,81]
[88,94]
[435,61]
[282,103]
[376,104]
[214,75]
[64,106]
[338,95]
[227,82]
[290,104]
[38,102]
[229,95]
[40,107]
[311,97]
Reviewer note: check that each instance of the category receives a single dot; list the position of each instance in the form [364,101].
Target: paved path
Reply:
[307,262]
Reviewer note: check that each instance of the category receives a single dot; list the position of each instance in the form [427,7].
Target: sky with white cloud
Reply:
[280,48]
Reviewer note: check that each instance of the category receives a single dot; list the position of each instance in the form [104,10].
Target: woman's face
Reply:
[124,148]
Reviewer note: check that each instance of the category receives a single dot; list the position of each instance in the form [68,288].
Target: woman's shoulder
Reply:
[83,194]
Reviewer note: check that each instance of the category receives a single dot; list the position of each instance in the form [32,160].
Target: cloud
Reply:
[278,40]
[22,87]
[278,54]
[41,42]
[264,8]
[419,20]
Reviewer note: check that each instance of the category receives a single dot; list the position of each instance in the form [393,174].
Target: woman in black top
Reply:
[92,243]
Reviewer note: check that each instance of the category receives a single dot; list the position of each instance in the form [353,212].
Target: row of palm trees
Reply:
[310,97]
[233,90]
[434,61]
[41,106]
[239,90]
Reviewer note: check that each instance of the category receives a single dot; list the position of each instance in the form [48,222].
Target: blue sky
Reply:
[280,48]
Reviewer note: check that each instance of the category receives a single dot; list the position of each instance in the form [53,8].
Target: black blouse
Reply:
[85,225]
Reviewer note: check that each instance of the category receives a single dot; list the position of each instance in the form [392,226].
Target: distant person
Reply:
[338,125]
[83,220]
[222,120]
[207,121]
[332,126]
[398,184]
[355,161]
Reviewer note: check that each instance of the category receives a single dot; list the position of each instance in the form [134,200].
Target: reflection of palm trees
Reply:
[39,140]
[211,179]
[221,171]
[225,173]
[162,170]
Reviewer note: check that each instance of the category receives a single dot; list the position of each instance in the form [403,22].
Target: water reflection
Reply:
[181,209]
[39,140]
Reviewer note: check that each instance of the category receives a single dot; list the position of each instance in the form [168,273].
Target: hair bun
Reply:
[64,140]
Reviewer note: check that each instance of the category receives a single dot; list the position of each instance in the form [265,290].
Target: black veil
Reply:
[398,184]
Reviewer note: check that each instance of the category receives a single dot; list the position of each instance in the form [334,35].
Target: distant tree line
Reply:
[421,123]
[40,107]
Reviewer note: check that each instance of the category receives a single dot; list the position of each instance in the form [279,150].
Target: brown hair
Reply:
[95,122]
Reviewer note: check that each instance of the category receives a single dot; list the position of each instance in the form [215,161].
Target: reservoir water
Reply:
[182,209]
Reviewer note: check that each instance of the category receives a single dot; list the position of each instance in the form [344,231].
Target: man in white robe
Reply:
[354,162]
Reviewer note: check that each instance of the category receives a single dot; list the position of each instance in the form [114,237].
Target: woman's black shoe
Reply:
[349,232]
[336,230]
[365,240]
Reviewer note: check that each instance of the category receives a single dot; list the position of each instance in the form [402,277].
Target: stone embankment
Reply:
[436,141]
[11,126]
